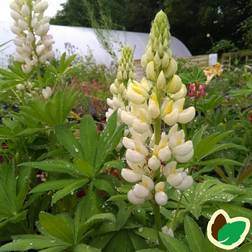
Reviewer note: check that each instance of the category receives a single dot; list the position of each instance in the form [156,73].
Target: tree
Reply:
[199,24]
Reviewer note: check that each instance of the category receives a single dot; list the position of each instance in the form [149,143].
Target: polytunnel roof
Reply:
[86,40]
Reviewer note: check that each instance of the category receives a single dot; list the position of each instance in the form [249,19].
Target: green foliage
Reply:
[60,187]
[13,191]
[59,233]
[190,73]
[223,46]
[87,158]
[229,20]
[203,195]
[195,240]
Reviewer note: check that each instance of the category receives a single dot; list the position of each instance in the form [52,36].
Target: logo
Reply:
[225,232]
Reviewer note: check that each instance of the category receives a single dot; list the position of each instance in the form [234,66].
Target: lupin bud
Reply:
[174,85]
[125,74]
[134,199]
[154,163]
[161,198]
[165,60]
[171,69]
[130,176]
[47,92]
[149,54]
[157,61]
[150,71]
[161,81]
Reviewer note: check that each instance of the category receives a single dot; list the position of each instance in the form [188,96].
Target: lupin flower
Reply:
[177,178]
[125,72]
[153,103]
[47,92]
[33,44]
[167,231]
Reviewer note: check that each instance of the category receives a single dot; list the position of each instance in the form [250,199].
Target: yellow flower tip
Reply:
[168,108]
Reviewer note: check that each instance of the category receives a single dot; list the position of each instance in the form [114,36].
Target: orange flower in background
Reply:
[212,71]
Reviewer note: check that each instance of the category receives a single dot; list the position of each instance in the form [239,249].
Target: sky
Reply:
[54,6]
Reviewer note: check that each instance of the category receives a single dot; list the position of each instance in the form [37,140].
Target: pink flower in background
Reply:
[201,90]
[191,89]
[195,90]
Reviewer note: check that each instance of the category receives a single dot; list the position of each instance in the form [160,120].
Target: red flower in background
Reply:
[201,90]
[191,88]
[196,90]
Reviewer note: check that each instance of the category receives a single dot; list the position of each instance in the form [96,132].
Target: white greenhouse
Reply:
[85,40]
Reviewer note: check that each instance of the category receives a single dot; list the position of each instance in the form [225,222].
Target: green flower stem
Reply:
[157,122]
[177,211]
[157,219]
[157,130]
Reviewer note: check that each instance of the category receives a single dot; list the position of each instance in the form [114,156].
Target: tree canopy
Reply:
[201,25]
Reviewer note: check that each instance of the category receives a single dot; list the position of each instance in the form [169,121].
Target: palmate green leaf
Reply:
[8,84]
[87,207]
[69,189]
[6,133]
[66,138]
[198,135]
[7,191]
[26,242]
[59,106]
[57,166]
[30,131]
[194,235]
[108,140]
[58,226]
[116,164]
[219,161]
[64,63]
[89,139]
[149,234]
[4,220]
[231,232]
[84,168]
[137,241]
[118,198]
[94,220]
[210,190]
[51,112]
[52,185]
[85,248]
[104,185]
[13,191]
[209,145]
[172,244]
[120,242]
[23,186]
